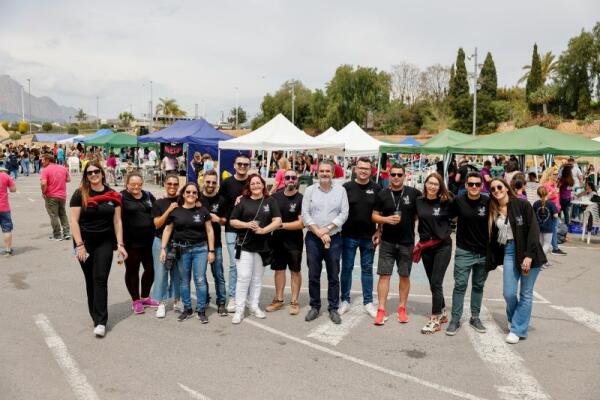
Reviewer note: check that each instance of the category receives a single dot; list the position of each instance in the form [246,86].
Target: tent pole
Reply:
[219,166]
[595,172]
[535,166]
[378,167]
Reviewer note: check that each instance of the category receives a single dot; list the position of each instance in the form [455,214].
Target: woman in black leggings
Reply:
[138,231]
[97,232]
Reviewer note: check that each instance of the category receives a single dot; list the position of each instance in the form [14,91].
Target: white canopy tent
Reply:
[357,142]
[71,140]
[328,135]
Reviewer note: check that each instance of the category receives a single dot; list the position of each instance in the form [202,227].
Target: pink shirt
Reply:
[280,179]
[6,182]
[550,187]
[56,179]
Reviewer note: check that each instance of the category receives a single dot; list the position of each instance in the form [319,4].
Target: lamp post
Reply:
[29,84]
[97,112]
[474,132]
[151,110]
[237,106]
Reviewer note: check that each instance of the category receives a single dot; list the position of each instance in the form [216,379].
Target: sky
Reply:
[219,53]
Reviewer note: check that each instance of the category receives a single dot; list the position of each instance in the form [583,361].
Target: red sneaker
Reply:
[380,318]
[402,317]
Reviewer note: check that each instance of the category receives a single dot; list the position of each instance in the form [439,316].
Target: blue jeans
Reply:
[218,275]
[315,255]
[518,309]
[36,166]
[14,173]
[163,288]
[367,251]
[230,237]
[554,233]
[25,166]
[193,260]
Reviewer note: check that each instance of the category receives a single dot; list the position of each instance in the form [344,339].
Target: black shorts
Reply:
[286,256]
[390,253]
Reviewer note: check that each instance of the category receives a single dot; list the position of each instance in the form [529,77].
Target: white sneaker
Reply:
[231,306]
[178,306]
[258,313]
[371,309]
[237,318]
[345,307]
[512,338]
[100,330]
[161,311]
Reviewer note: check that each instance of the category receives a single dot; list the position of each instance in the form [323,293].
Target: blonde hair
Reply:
[283,163]
[547,175]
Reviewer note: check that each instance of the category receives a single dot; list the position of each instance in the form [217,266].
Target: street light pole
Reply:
[151,110]
[29,84]
[474,132]
[237,106]
[97,112]
[293,99]
[22,105]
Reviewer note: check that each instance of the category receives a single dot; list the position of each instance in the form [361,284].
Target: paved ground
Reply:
[48,350]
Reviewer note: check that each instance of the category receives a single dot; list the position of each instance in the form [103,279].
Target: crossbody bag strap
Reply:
[256,215]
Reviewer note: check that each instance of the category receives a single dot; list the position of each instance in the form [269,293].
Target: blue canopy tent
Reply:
[50,137]
[410,142]
[99,133]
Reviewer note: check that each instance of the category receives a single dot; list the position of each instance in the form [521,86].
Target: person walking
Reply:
[549,181]
[12,164]
[545,214]
[138,232]
[358,233]
[111,168]
[395,214]
[279,183]
[435,245]
[470,254]
[514,243]
[97,231]
[191,233]
[256,216]
[287,243]
[53,182]
[324,211]
[7,184]
[25,161]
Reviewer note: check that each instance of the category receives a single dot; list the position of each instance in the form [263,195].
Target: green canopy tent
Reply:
[114,140]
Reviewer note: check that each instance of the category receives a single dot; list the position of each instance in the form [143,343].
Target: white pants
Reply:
[250,272]
[546,241]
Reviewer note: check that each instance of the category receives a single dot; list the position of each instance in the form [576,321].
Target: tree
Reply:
[80,116]
[458,94]
[544,96]
[23,127]
[126,118]
[281,102]
[534,80]
[434,83]
[169,108]
[5,125]
[73,130]
[14,136]
[548,66]
[47,126]
[318,110]
[241,117]
[487,78]
[405,78]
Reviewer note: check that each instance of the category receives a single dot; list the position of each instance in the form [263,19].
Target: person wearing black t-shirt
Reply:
[288,242]
[395,214]
[190,231]
[461,177]
[231,189]
[213,201]
[138,232]
[435,244]
[166,281]
[357,233]
[471,246]
[255,216]
[97,231]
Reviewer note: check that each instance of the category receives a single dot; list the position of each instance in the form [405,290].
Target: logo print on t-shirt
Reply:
[293,207]
[369,191]
[519,220]
[266,208]
[110,203]
[406,200]
[436,212]
[149,203]
[214,208]
[481,211]
[197,218]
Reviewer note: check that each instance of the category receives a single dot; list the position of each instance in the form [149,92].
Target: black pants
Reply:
[135,257]
[96,269]
[436,260]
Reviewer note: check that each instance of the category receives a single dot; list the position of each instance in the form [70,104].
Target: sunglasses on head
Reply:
[496,188]
[291,177]
[243,164]
[397,174]
[91,172]
[474,184]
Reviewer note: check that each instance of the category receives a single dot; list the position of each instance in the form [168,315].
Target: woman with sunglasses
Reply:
[190,230]
[97,232]
[138,230]
[435,245]
[256,216]
[515,244]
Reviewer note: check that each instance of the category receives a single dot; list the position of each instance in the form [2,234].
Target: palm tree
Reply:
[80,116]
[548,68]
[126,118]
[169,107]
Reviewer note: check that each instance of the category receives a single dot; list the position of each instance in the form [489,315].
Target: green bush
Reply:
[15,136]
[47,127]
[73,130]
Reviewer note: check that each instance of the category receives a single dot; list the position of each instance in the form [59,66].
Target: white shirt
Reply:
[141,154]
[152,156]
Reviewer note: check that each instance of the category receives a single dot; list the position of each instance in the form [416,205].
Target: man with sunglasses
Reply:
[358,233]
[214,202]
[288,240]
[395,214]
[472,235]
[231,189]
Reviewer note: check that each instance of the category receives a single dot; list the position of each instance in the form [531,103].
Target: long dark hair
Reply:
[84,186]
[566,177]
[247,192]
[495,205]
[180,196]
[443,193]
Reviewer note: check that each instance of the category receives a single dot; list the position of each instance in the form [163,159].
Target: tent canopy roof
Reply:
[410,142]
[197,131]
[328,134]
[116,139]
[439,144]
[279,134]
[50,137]
[99,133]
[357,141]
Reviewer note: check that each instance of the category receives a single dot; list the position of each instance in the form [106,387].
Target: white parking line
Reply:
[77,380]
[333,334]
[30,199]
[193,394]
[507,366]
[581,315]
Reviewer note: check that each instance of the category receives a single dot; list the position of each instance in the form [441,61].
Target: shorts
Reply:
[284,257]
[6,222]
[390,253]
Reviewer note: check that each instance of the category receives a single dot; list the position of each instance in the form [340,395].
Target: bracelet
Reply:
[79,245]
[121,245]
[163,248]
[211,251]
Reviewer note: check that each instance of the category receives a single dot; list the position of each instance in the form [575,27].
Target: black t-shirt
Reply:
[158,209]
[138,224]
[361,200]
[463,171]
[215,205]
[188,224]
[434,219]
[404,200]
[230,190]
[472,224]
[97,219]
[290,208]
[246,211]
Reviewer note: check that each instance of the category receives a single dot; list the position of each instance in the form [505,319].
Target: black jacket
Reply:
[526,234]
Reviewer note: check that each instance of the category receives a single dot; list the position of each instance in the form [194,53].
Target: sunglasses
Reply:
[291,178]
[399,175]
[243,164]
[91,172]
[210,183]
[474,184]
[172,184]
[496,188]
[191,192]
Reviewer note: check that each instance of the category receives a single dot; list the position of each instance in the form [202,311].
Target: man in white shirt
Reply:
[152,156]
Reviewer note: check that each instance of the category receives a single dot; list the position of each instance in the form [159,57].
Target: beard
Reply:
[324,180]
[290,187]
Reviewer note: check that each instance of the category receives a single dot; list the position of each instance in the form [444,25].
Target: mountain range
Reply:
[42,108]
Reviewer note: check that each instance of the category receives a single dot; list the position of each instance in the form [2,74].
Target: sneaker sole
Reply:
[184,319]
[478,330]
[450,333]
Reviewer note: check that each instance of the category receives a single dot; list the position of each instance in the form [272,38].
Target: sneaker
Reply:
[312,314]
[294,308]
[344,307]
[138,307]
[274,306]
[57,238]
[231,306]
[547,265]
[178,306]
[185,314]
[237,318]
[161,311]
[453,327]
[100,330]
[402,316]
[432,326]
[67,237]
[334,316]
[371,310]
[443,317]
[221,310]
[512,338]
[559,252]
[8,252]
[202,317]
[380,317]
[476,324]
[258,313]
[150,302]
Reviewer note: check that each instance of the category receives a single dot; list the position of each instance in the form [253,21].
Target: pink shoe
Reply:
[138,307]
[150,302]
